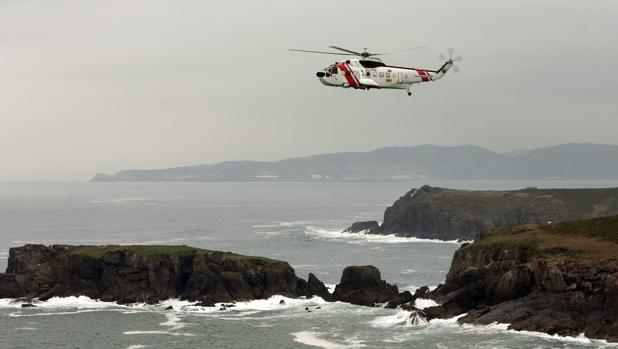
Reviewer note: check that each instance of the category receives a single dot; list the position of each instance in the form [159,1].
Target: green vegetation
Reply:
[171,250]
[591,238]
[605,228]
[99,251]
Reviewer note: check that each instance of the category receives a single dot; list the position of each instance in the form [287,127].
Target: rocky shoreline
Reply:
[150,274]
[448,214]
[557,279]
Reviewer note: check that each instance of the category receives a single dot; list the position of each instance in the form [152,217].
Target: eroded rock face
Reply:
[363,285]
[129,274]
[144,274]
[358,227]
[448,214]
[512,283]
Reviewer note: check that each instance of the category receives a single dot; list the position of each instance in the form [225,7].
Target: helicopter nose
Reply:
[320,74]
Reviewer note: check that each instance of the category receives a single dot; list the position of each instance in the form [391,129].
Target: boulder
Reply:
[363,285]
[315,287]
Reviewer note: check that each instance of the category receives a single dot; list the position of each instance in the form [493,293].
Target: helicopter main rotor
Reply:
[347,52]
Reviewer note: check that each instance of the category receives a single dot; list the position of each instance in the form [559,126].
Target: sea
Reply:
[300,223]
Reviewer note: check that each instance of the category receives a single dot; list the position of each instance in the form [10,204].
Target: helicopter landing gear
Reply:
[409,93]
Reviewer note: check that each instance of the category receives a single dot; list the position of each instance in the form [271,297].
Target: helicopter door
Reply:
[400,78]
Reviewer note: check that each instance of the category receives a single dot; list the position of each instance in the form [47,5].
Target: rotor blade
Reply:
[344,50]
[324,53]
[457,59]
[450,51]
[399,51]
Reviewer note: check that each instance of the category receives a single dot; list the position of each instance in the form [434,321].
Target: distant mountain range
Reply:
[422,162]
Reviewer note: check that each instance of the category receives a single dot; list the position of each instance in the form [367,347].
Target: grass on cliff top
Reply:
[590,238]
[605,228]
[99,251]
[172,250]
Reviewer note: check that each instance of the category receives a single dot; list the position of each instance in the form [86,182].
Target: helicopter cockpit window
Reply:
[333,69]
[371,64]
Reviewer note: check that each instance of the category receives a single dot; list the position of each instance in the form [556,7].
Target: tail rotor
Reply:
[451,59]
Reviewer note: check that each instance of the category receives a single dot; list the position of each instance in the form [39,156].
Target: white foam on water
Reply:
[313,339]
[408,271]
[173,322]
[137,346]
[265,226]
[274,303]
[79,303]
[158,332]
[399,318]
[119,201]
[449,321]
[503,328]
[82,304]
[363,237]
[269,233]
[581,338]
[422,303]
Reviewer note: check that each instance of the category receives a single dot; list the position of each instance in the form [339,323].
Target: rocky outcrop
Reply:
[146,274]
[559,279]
[447,214]
[129,274]
[363,285]
[359,227]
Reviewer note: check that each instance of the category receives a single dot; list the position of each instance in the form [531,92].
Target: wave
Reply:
[363,237]
[503,328]
[118,201]
[81,304]
[158,332]
[422,303]
[401,318]
[313,339]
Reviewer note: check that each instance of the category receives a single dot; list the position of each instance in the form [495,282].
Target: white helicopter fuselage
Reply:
[373,73]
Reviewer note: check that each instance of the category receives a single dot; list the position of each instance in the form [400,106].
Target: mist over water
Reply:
[295,222]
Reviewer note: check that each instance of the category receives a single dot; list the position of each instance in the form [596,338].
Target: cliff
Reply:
[559,279]
[129,274]
[448,214]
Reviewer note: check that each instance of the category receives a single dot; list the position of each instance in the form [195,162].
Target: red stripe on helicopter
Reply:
[353,75]
[423,74]
[347,73]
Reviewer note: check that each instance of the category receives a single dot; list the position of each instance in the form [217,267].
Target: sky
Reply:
[102,86]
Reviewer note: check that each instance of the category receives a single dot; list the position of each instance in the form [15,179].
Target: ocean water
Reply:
[295,222]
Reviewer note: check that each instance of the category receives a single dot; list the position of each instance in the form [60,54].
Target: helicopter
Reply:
[369,72]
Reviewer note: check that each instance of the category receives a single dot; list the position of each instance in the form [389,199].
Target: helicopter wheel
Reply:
[409,93]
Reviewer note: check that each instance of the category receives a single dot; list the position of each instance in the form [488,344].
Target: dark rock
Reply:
[363,285]
[315,287]
[28,305]
[551,290]
[421,292]
[447,214]
[130,274]
[359,227]
[169,307]
[149,274]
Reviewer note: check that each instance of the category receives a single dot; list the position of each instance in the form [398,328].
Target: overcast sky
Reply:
[101,86]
